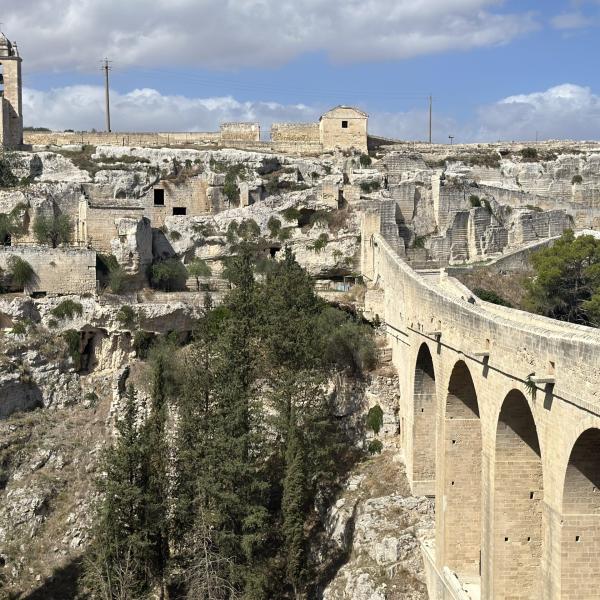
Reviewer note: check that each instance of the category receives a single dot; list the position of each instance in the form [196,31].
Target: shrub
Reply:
[577,179]
[168,275]
[67,309]
[7,177]
[348,344]
[320,217]
[248,229]
[285,234]
[126,317]
[491,296]
[199,268]
[475,201]
[20,271]
[375,419]
[375,447]
[19,328]
[73,341]
[419,241]
[175,235]
[204,229]
[53,230]
[274,225]
[365,160]
[11,223]
[529,154]
[320,243]
[142,343]
[291,214]
[369,186]
[232,232]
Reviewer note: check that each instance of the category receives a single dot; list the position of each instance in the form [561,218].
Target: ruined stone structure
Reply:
[240,132]
[500,421]
[56,270]
[11,103]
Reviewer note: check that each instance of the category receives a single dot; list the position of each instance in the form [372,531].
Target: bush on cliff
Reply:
[53,230]
[168,275]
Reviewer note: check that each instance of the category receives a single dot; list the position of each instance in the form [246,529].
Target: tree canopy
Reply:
[566,285]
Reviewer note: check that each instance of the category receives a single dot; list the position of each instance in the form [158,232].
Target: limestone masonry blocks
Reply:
[516,474]
[240,132]
[57,270]
[11,103]
[344,127]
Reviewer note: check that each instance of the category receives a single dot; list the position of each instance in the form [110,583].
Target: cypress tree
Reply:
[155,474]
[293,507]
[117,567]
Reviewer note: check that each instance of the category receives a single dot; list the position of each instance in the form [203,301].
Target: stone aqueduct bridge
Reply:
[516,475]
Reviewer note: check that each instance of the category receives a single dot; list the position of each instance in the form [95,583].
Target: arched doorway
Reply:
[580,543]
[424,418]
[518,498]
[462,476]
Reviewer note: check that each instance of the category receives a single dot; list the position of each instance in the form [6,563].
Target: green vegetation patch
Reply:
[67,309]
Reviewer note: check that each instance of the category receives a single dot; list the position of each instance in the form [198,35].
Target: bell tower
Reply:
[11,95]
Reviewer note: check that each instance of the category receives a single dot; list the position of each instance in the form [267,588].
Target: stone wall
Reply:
[295,132]
[57,270]
[97,225]
[240,132]
[189,195]
[500,516]
[150,140]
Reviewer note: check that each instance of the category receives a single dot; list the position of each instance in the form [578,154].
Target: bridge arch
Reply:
[424,418]
[580,533]
[518,501]
[462,475]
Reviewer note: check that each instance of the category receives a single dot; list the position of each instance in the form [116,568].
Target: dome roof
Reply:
[6,48]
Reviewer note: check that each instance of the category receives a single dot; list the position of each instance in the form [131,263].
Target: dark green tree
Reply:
[53,230]
[118,556]
[293,507]
[155,473]
[566,285]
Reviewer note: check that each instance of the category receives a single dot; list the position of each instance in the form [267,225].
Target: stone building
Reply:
[344,127]
[11,109]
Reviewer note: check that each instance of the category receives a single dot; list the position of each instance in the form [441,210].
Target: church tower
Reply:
[11,113]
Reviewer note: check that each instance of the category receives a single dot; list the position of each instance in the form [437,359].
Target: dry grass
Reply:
[510,286]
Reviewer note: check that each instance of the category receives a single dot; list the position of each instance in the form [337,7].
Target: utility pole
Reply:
[430,119]
[451,138]
[106,68]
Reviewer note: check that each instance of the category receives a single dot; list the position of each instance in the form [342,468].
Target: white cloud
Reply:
[571,20]
[563,112]
[566,111]
[81,107]
[76,34]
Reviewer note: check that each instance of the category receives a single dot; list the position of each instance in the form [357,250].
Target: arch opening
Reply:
[518,501]
[424,419]
[462,476]
[580,534]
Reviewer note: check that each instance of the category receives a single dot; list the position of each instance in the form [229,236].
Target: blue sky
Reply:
[188,64]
